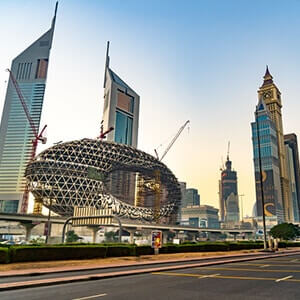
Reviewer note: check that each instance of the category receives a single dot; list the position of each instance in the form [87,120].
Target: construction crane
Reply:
[157,177]
[228,150]
[172,142]
[38,137]
[104,133]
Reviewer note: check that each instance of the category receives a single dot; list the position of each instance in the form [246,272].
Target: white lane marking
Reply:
[284,278]
[263,266]
[90,297]
[208,276]
[294,260]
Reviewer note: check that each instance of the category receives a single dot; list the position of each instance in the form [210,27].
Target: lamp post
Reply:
[261,182]
[49,223]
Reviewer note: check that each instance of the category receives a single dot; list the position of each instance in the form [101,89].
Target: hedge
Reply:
[4,255]
[26,253]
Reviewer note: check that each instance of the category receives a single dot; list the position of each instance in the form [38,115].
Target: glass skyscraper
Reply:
[30,70]
[265,138]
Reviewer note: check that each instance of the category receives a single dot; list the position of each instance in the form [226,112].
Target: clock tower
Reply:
[272,97]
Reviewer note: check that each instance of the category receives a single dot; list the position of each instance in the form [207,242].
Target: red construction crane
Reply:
[37,136]
[103,134]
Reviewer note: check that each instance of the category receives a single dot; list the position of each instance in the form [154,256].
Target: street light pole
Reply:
[261,182]
[49,223]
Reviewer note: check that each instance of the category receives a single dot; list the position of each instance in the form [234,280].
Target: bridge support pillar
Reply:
[95,230]
[165,236]
[28,227]
[131,238]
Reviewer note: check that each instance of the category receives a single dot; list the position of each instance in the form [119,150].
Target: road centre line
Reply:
[284,278]
[90,297]
[288,278]
[264,266]
[208,276]
[250,270]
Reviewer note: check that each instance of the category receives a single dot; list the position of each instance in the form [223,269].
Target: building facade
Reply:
[121,108]
[272,97]
[228,194]
[265,148]
[290,141]
[30,70]
[200,216]
[191,197]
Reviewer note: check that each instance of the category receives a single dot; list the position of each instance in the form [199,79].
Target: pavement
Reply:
[118,269]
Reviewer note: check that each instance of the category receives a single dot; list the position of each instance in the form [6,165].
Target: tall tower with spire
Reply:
[272,98]
[30,70]
[228,192]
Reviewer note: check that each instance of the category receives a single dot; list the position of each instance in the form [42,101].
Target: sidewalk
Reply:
[35,268]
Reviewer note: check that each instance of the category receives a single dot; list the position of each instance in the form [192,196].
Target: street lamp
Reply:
[261,182]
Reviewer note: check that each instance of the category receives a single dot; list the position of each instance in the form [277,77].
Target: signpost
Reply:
[156,240]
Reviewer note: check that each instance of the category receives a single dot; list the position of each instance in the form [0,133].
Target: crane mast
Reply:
[172,142]
[37,136]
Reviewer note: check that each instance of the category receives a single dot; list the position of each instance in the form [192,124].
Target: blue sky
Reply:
[196,60]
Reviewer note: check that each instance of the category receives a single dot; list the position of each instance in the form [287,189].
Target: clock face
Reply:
[267,95]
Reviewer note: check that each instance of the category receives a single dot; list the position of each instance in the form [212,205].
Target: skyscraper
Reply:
[272,98]
[228,193]
[121,111]
[121,108]
[30,70]
[290,141]
[265,138]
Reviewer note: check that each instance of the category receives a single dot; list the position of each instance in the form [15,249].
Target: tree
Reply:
[72,236]
[110,236]
[285,231]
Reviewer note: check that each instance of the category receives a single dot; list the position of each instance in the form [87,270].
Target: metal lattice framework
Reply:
[103,174]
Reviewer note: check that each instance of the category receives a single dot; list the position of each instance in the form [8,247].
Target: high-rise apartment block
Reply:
[30,70]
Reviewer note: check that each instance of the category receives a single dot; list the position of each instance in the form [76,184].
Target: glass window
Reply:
[123,129]
[125,102]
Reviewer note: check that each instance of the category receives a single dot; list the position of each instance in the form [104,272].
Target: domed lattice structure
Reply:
[104,175]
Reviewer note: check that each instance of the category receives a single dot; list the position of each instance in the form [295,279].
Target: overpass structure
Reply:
[28,221]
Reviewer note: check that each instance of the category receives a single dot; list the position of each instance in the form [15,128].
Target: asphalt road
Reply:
[274,278]
[36,276]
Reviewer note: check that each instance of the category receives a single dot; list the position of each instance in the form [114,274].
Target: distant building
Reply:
[183,191]
[200,216]
[228,195]
[191,197]
[121,108]
[30,70]
[268,146]
[290,140]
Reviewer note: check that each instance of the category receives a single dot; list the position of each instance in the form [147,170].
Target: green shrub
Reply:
[122,250]
[143,250]
[4,255]
[42,253]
